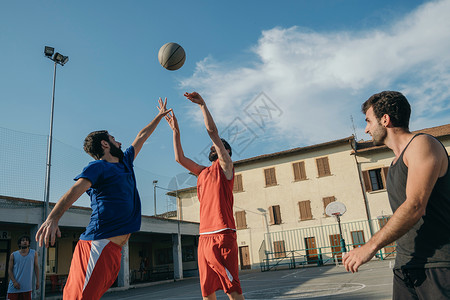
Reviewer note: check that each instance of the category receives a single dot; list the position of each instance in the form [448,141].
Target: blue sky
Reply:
[275,74]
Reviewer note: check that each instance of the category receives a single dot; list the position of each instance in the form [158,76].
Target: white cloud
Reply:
[320,79]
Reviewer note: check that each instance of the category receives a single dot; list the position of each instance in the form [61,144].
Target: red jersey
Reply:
[215,193]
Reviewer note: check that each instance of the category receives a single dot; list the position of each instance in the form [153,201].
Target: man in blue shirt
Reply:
[116,211]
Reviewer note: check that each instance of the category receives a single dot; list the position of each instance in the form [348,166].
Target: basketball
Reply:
[171,56]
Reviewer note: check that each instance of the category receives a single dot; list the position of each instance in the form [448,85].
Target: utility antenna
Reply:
[353,127]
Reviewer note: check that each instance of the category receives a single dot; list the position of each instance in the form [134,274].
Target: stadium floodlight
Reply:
[60,59]
[48,51]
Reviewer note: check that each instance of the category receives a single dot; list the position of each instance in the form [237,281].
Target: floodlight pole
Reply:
[56,60]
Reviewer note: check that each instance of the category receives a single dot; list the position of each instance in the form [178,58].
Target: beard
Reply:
[116,151]
[213,156]
[24,247]
[379,135]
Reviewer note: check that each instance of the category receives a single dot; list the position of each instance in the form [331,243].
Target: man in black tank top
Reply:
[418,186]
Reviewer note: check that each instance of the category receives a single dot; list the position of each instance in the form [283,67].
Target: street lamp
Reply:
[154,194]
[264,213]
[60,59]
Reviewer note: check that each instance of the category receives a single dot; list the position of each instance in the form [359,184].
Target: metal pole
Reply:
[268,234]
[47,183]
[154,194]
[342,237]
[179,250]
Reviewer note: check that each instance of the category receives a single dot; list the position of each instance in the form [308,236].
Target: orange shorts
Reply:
[94,268]
[218,263]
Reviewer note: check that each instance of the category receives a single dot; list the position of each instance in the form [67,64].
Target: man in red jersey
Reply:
[217,247]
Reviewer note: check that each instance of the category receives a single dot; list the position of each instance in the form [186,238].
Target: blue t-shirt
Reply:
[115,202]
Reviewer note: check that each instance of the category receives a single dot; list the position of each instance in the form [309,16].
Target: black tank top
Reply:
[427,243]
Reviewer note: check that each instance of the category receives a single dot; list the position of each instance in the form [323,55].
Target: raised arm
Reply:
[178,149]
[145,132]
[224,157]
[49,229]
[426,161]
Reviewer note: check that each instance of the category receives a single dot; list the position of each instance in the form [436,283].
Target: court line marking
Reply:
[360,286]
[290,274]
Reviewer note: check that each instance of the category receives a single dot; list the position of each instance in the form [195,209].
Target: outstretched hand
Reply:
[195,98]
[357,257]
[163,111]
[172,121]
[47,233]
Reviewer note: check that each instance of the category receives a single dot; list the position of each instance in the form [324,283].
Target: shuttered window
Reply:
[279,249]
[275,215]
[299,170]
[271,179]
[375,179]
[305,210]
[237,187]
[326,201]
[241,222]
[323,168]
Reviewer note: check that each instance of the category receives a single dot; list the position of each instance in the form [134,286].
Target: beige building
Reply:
[280,200]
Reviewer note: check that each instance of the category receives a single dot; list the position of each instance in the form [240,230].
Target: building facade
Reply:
[280,200]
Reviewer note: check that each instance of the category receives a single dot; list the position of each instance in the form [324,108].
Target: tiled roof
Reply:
[294,151]
[442,131]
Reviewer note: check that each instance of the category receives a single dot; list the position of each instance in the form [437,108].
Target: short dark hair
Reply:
[93,145]
[26,237]
[227,146]
[392,103]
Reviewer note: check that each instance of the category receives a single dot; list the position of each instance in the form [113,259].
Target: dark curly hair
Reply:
[93,145]
[227,146]
[25,237]
[392,103]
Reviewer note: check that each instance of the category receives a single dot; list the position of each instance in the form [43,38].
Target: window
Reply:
[357,238]
[271,179]
[299,171]
[278,249]
[375,179]
[326,201]
[305,210]
[241,222]
[51,266]
[323,168]
[237,187]
[275,215]
[188,253]
[389,250]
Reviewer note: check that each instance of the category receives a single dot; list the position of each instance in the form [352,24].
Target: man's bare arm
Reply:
[49,229]
[224,157]
[178,149]
[11,272]
[36,269]
[145,132]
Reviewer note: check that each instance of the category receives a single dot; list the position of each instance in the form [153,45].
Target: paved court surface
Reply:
[373,281]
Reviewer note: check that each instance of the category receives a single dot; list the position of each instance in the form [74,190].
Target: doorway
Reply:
[244,256]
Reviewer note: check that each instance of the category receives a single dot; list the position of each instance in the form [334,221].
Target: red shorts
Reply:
[94,268]
[19,296]
[218,263]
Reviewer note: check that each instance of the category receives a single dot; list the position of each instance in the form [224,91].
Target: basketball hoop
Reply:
[337,209]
